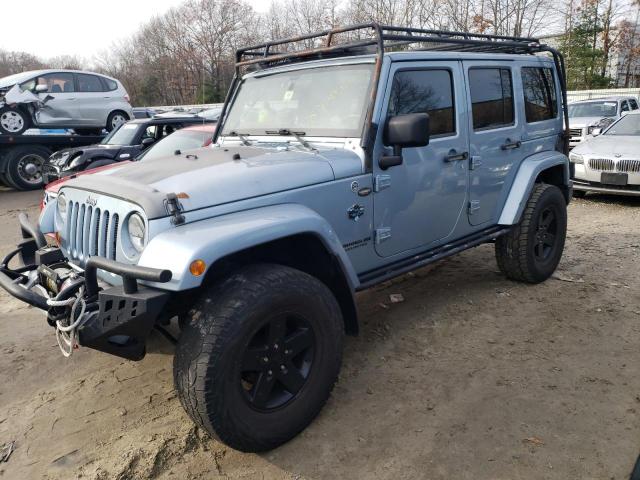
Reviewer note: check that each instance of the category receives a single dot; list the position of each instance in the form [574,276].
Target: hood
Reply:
[608,145]
[56,185]
[214,175]
[580,122]
[63,158]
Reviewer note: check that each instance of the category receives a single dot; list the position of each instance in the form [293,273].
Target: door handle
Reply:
[509,145]
[454,156]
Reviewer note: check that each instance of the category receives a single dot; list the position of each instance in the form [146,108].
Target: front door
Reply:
[60,106]
[419,202]
[495,136]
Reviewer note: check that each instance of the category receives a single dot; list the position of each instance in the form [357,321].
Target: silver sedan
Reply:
[609,162]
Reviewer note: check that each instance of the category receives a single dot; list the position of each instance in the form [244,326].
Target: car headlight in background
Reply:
[576,158]
[61,203]
[137,230]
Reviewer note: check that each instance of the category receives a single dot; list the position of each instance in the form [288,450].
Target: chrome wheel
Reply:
[30,169]
[12,121]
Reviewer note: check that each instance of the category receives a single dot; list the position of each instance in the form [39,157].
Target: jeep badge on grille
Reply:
[91,201]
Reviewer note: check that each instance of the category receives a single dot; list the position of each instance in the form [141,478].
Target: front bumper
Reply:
[594,187]
[122,317]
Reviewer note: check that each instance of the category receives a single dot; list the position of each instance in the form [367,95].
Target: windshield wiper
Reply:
[297,135]
[242,137]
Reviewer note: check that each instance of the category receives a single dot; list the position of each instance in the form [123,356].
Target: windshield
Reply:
[181,140]
[124,135]
[322,102]
[627,125]
[593,109]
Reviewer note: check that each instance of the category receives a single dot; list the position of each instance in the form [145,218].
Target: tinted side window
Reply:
[540,101]
[57,82]
[625,106]
[633,103]
[89,83]
[110,84]
[425,91]
[491,97]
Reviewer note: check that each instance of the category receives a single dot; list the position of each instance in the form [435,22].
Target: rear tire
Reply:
[258,356]
[116,119]
[13,121]
[24,167]
[531,251]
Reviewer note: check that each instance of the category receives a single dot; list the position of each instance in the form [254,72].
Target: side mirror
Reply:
[596,131]
[41,89]
[148,141]
[404,131]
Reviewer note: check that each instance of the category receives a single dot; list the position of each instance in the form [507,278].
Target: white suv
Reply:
[84,101]
[587,115]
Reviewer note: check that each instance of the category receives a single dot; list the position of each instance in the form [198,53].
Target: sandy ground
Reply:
[471,377]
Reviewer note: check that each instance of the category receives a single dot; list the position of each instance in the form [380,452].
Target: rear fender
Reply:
[531,170]
[216,238]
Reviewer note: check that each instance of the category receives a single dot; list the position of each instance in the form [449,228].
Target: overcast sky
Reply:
[78,27]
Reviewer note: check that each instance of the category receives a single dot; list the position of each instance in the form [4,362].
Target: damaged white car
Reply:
[84,101]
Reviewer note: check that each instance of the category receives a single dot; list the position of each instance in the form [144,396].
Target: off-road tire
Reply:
[516,250]
[14,111]
[14,173]
[215,340]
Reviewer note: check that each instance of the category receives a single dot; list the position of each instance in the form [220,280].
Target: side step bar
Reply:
[387,272]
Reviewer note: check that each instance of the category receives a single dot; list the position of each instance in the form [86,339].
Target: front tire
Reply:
[531,251]
[259,355]
[13,121]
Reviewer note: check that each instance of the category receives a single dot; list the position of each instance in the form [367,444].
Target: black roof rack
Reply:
[377,39]
[374,38]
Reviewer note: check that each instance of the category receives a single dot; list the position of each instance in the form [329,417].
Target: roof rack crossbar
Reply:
[384,37]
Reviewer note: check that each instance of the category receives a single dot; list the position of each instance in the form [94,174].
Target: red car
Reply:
[186,138]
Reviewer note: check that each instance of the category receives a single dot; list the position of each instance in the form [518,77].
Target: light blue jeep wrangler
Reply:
[368,152]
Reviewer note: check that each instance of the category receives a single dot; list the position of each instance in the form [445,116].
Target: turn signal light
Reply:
[197,267]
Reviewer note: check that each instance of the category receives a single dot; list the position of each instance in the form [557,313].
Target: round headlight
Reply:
[137,230]
[61,203]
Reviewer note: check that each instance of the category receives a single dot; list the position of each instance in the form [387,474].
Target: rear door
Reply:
[92,101]
[495,135]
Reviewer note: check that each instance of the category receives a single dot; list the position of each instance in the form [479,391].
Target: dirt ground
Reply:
[471,377]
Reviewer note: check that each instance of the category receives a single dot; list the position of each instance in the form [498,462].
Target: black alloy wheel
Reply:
[277,362]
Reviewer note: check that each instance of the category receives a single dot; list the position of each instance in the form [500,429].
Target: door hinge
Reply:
[381,182]
[476,161]
[382,234]
[474,206]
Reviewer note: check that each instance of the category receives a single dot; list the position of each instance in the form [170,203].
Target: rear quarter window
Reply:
[539,90]
[110,85]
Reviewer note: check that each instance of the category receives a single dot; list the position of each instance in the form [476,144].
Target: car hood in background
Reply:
[64,157]
[608,145]
[208,176]
[580,122]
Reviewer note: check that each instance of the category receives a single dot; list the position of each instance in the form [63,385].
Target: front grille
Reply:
[91,231]
[629,166]
[575,132]
[602,164]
